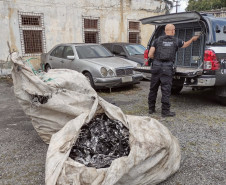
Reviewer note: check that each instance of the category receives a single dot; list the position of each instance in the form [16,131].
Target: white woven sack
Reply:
[71,103]
[68,95]
[154,155]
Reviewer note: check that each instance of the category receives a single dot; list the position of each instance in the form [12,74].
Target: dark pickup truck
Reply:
[203,63]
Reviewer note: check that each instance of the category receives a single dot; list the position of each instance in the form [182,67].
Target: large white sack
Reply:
[154,154]
[68,95]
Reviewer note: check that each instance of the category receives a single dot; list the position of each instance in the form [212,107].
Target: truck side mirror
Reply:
[217,29]
[224,29]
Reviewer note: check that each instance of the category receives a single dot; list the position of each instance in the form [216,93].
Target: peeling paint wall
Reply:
[63,20]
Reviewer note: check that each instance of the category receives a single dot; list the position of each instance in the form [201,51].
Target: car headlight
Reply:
[103,71]
[110,72]
[138,65]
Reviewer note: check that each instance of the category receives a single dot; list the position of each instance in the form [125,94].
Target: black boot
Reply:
[168,114]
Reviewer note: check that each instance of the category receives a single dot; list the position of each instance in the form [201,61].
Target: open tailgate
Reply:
[175,18]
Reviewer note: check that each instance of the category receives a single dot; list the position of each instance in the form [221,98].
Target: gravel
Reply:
[199,125]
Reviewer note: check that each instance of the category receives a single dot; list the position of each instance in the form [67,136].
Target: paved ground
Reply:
[200,126]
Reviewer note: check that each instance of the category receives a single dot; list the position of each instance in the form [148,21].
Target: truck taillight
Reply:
[146,57]
[210,60]
[146,54]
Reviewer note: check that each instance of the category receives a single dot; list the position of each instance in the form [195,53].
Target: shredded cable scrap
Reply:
[100,142]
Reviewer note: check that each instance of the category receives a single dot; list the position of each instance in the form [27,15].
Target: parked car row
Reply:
[99,65]
[131,51]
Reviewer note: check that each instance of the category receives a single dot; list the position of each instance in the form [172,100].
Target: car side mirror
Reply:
[70,57]
[224,29]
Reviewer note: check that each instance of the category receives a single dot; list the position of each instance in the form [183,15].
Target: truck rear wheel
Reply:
[177,86]
[176,89]
[221,95]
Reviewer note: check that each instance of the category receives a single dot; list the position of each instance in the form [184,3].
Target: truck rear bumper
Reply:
[201,81]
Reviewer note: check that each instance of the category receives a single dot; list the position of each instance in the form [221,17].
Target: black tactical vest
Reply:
[166,48]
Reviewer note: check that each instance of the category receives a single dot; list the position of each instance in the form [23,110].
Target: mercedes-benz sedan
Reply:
[100,66]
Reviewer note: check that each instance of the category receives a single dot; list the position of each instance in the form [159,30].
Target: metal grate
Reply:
[123,72]
[91,31]
[90,24]
[187,51]
[32,33]
[91,37]
[133,37]
[196,45]
[185,56]
[31,20]
[134,32]
[134,25]
[32,41]
[180,53]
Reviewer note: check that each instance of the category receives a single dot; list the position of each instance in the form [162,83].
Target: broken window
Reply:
[32,33]
[134,32]
[91,31]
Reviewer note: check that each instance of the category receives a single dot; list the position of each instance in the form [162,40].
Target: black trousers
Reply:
[162,75]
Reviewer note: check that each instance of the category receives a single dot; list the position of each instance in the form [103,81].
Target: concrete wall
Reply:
[63,20]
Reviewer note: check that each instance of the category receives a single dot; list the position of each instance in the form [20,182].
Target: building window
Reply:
[91,30]
[134,32]
[32,33]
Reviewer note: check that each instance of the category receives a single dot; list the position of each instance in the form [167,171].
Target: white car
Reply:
[101,67]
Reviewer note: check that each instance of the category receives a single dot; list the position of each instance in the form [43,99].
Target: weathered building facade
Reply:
[33,27]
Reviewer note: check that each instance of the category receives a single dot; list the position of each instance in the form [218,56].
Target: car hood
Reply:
[137,58]
[113,62]
[174,18]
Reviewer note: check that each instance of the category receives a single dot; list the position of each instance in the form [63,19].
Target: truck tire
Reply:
[176,89]
[177,85]
[221,95]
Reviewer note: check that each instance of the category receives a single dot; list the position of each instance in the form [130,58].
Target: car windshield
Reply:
[135,49]
[92,51]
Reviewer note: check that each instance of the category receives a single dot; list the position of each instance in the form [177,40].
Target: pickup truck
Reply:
[202,64]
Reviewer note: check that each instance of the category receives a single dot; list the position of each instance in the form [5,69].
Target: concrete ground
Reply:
[200,126]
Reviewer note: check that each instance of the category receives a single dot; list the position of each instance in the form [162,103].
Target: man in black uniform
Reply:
[163,51]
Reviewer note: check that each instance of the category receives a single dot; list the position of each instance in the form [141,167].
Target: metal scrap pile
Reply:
[100,142]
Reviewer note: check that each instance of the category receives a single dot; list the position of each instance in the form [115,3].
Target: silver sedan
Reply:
[101,67]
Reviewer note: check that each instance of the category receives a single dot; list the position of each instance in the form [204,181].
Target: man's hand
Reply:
[194,38]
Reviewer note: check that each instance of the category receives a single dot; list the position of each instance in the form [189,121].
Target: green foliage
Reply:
[202,5]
